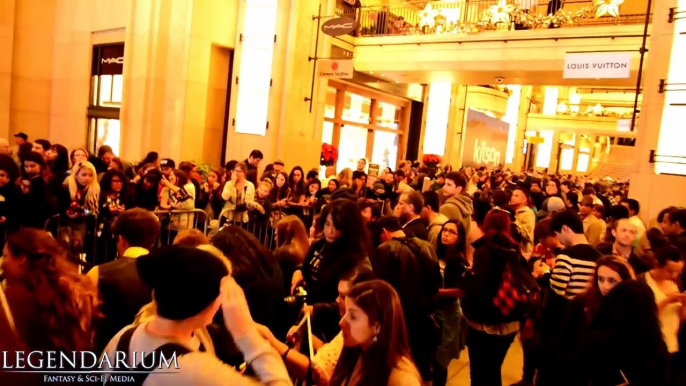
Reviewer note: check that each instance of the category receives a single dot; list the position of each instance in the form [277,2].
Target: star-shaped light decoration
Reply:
[607,7]
[427,16]
[500,13]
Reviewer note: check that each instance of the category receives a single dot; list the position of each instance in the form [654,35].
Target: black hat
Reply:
[168,162]
[185,280]
[345,194]
[22,136]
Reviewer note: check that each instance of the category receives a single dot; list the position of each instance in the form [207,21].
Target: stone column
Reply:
[7,8]
[659,117]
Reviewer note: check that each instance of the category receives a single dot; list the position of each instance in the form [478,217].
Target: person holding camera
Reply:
[239,194]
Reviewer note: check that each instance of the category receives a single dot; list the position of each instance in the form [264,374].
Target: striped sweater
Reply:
[574,269]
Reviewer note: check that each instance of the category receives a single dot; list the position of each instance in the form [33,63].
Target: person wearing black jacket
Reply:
[624,233]
[10,197]
[409,211]
[344,245]
[410,265]
[491,330]
[451,250]
[624,346]
[258,273]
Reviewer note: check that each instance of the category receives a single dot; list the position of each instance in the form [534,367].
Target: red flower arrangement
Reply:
[431,160]
[329,155]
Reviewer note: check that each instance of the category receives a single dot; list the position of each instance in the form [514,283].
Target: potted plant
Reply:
[431,160]
[329,155]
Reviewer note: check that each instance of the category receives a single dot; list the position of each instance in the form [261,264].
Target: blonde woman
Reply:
[239,194]
[345,178]
[84,191]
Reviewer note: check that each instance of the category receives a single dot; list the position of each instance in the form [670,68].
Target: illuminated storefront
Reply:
[363,123]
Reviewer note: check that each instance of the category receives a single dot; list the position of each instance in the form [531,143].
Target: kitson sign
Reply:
[485,140]
[599,65]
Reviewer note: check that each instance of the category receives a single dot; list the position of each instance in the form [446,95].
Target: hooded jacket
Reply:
[458,208]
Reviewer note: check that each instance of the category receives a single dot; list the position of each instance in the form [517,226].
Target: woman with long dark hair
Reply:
[451,251]
[624,344]
[116,196]
[292,246]
[376,349]
[151,158]
[58,161]
[296,184]
[322,366]
[280,192]
[582,310]
[39,204]
[146,193]
[345,244]
[54,307]
[257,272]
[491,331]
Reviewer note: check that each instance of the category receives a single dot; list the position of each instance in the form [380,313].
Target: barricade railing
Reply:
[78,236]
[173,221]
[263,228]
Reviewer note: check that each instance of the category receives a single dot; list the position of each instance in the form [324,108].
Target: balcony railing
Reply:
[473,16]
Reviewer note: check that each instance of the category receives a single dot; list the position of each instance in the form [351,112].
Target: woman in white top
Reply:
[671,303]
[239,194]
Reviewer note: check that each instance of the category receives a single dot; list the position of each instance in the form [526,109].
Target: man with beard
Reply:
[409,210]
[624,233]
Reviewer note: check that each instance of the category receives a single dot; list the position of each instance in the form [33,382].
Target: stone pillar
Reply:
[7,8]
[656,126]
[174,77]
[453,141]
[31,66]
[294,132]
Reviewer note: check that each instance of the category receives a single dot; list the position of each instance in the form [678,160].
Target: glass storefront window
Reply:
[544,149]
[105,132]
[356,108]
[327,132]
[330,107]
[385,149]
[387,115]
[567,151]
[352,147]
[110,90]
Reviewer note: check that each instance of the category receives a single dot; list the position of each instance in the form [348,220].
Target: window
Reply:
[107,83]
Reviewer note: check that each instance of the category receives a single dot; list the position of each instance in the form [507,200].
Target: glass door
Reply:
[385,149]
[351,147]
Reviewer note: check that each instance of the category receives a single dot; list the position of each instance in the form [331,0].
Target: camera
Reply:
[299,296]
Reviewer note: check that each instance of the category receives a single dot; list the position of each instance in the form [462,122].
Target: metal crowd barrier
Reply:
[177,220]
[263,230]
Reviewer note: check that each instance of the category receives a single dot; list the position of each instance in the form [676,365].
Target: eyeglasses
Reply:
[450,232]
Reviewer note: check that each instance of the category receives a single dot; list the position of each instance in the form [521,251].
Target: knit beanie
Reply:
[185,280]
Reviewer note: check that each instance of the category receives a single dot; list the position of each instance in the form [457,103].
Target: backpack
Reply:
[518,293]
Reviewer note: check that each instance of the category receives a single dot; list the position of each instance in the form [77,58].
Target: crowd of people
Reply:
[393,274]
